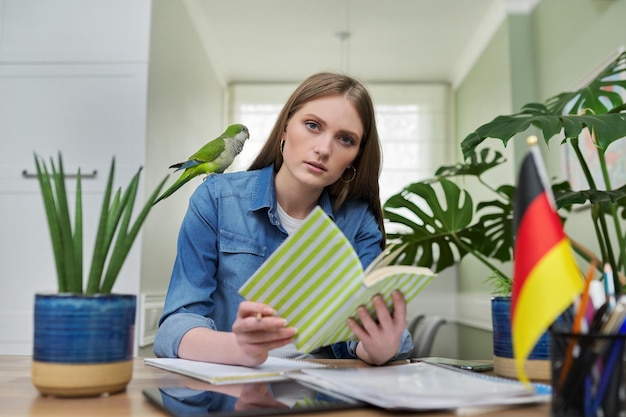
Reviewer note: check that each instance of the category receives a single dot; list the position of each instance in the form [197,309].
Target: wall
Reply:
[485,93]
[185,110]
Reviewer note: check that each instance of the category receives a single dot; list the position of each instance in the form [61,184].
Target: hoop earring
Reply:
[282,146]
[352,177]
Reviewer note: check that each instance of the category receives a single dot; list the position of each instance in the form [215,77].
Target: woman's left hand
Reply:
[380,339]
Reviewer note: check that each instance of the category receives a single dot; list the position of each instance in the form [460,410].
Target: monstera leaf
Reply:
[607,128]
[569,197]
[435,218]
[497,226]
[602,95]
[597,107]
[476,164]
[605,201]
[437,233]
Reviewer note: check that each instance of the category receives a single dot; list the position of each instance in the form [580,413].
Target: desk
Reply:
[18,397]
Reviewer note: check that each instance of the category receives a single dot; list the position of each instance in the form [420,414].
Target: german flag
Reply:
[546,279]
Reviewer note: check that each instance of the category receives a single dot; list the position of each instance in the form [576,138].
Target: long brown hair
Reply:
[367,163]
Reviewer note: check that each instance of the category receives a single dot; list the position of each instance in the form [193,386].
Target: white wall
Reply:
[185,110]
[75,77]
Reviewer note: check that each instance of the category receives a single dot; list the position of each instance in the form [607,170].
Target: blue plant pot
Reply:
[502,343]
[538,363]
[77,337]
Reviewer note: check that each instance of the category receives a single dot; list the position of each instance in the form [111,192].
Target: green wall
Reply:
[485,93]
[574,37]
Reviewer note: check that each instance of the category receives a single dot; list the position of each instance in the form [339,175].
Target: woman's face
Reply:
[322,139]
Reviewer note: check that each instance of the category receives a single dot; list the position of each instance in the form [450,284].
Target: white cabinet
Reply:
[73,78]
[87,112]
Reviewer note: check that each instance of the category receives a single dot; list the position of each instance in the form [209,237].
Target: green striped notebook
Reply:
[315,281]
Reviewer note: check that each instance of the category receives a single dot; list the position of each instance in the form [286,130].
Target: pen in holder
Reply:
[587,374]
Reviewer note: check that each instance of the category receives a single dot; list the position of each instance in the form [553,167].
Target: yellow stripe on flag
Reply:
[548,290]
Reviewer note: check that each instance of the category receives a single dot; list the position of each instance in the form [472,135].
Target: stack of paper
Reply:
[422,386]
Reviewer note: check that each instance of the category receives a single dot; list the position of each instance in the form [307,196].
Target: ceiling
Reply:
[388,41]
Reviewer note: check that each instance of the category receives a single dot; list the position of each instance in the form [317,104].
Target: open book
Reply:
[273,369]
[316,282]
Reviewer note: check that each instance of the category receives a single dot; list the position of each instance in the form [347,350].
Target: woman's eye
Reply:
[311,125]
[346,140]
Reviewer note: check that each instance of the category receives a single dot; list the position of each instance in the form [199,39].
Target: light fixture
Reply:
[344,41]
[344,50]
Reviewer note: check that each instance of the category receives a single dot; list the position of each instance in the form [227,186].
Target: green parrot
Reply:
[214,157]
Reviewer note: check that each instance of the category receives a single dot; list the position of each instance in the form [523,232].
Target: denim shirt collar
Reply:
[265,194]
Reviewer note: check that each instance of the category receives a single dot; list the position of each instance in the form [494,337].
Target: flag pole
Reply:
[533,145]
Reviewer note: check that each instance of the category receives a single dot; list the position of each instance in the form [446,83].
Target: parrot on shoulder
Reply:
[214,157]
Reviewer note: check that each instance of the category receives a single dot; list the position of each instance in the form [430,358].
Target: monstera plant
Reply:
[440,223]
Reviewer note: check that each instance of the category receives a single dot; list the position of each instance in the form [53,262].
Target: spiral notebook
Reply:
[273,369]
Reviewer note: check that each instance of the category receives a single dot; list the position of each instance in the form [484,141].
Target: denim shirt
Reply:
[231,227]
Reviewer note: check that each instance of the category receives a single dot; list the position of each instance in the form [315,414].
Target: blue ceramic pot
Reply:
[502,342]
[76,328]
[83,344]
[537,365]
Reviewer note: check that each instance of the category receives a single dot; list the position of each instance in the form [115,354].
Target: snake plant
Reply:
[115,234]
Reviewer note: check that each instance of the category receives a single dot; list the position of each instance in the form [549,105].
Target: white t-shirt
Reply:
[291,224]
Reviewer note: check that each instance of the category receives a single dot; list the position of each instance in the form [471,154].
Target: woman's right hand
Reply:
[258,330]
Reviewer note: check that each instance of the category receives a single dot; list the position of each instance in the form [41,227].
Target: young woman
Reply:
[323,150]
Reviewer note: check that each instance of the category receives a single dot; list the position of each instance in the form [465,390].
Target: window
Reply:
[412,122]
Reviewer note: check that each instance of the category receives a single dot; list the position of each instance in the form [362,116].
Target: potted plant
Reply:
[596,110]
[440,224]
[84,333]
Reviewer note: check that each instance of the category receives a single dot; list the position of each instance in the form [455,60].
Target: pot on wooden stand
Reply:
[537,365]
[83,344]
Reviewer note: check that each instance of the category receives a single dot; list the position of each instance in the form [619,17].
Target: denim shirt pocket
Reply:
[240,256]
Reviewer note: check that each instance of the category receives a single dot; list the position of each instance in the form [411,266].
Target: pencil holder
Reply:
[588,375]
